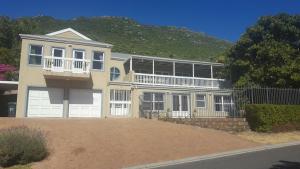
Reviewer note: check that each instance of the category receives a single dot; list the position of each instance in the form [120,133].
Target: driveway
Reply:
[278,158]
[117,143]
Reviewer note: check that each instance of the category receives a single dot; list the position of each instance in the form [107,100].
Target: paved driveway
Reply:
[117,143]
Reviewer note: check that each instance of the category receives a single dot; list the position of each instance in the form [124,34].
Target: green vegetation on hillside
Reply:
[125,34]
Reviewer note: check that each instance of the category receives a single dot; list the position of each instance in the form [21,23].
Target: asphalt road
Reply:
[278,158]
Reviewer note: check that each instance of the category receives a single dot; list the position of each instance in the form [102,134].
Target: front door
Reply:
[180,106]
[58,55]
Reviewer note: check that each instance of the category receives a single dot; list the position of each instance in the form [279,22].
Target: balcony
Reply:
[59,67]
[176,81]
[174,73]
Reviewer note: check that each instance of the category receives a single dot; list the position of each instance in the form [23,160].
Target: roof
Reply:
[51,38]
[8,85]
[125,56]
[69,30]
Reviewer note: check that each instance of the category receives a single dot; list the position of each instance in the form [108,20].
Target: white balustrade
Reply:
[60,64]
[165,80]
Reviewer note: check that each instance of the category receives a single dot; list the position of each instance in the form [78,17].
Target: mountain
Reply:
[127,36]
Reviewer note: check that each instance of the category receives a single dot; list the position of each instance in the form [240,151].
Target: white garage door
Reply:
[84,103]
[45,102]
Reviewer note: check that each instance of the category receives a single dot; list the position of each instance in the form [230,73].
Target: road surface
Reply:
[278,158]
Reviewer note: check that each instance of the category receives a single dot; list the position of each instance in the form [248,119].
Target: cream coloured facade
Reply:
[65,74]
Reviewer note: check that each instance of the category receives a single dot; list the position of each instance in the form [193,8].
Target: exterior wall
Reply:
[32,75]
[69,35]
[208,111]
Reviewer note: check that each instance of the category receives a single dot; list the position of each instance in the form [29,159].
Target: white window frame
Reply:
[153,101]
[111,73]
[79,50]
[95,60]
[57,48]
[40,55]
[201,100]
[222,102]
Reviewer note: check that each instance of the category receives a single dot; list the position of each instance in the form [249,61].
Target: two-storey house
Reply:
[66,74]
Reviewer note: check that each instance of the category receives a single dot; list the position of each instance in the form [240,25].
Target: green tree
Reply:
[268,53]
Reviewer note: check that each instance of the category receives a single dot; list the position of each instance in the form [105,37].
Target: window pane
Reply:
[147,105]
[199,97]
[159,106]
[97,65]
[33,59]
[218,107]
[218,99]
[37,50]
[114,73]
[148,96]
[98,55]
[78,55]
[226,99]
[159,96]
[200,103]
[57,53]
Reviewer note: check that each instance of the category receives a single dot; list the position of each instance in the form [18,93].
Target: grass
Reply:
[270,138]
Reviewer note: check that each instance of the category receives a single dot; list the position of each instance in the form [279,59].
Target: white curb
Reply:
[213,156]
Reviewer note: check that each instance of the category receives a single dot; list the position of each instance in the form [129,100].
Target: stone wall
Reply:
[226,124]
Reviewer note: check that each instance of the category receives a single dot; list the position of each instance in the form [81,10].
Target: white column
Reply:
[153,78]
[193,70]
[211,72]
[211,75]
[130,63]
[193,74]
[153,67]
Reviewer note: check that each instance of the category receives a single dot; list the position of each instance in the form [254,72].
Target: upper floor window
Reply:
[98,60]
[200,100]
[35,54]
[114,73]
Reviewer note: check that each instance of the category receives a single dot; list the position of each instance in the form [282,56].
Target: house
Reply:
[66,74]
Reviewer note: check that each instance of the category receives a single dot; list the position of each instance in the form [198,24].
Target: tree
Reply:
[267,54]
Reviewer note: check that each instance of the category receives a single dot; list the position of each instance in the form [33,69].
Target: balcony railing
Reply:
[60,64]
[165,80]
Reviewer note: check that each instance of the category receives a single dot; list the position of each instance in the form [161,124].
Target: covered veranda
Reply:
[174,72]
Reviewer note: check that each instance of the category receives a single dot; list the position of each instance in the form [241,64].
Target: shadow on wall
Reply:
[286,165]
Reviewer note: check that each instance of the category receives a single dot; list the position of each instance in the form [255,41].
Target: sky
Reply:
[224,19]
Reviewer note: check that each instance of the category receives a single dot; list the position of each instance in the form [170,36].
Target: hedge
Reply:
[273,118]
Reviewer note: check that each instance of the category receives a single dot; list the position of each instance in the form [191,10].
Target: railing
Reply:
[153,79]
[59,64]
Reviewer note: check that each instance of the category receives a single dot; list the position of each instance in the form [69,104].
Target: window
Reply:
[200,100]
[35,54]
[114,73]
[153,101]
[58,52]
[223,103]
[78,63]
[78,54]
[98,60]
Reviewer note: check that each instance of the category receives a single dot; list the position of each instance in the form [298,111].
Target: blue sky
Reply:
[225,19]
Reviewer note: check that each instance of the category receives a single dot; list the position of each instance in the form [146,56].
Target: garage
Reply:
[85,103]
[45,102]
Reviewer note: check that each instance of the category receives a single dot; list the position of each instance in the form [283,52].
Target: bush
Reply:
[21,145]
[268,117]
